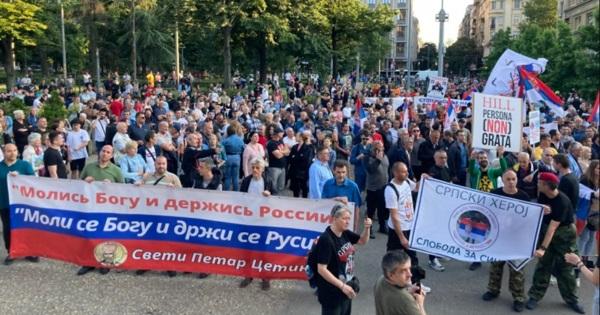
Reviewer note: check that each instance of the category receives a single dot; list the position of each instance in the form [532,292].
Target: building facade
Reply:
[577,13]
[484,18]
[397,59]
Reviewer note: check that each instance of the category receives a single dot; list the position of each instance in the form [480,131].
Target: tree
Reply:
[54,109]
[19,22]
[427,56]
[588,61]
[543,13]
[224,15]
[462,54]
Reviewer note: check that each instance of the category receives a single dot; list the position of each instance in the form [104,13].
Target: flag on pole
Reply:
[406,117]
[537,91]
[450,114]
[359,108]
[595,113]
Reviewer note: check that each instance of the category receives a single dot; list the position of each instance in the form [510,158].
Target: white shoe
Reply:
[578,282]
[425,288]
[435,265]
[553,280]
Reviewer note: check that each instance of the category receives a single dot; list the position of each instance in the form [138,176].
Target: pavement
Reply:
[51,287]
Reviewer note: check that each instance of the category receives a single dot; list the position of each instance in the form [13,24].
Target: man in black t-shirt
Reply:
[558,237]
[516,277]
[569,184]
[54,164]
[278,153]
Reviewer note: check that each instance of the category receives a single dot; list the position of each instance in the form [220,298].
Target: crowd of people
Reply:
[319,140]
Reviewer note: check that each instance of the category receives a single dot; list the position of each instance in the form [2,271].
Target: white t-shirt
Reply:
[402,203]
[256,187]
[76,139]
[100,130]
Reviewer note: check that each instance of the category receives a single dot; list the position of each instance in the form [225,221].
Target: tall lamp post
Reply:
[133,42]
[62,31]
[409,45]
[441,17]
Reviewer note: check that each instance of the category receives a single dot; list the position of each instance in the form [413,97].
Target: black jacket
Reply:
[299,161]
[214,183]
[426,152]
[398,154]
[268,185]
[454,159]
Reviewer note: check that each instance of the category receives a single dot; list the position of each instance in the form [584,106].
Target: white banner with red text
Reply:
[160,228]
[470,225]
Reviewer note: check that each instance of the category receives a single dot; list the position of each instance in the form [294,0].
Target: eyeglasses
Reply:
[365,139]
[416,130]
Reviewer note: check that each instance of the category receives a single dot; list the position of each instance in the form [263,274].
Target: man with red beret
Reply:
[558,237]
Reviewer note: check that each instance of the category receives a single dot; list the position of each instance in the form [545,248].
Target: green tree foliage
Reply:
[13,105]
[427,56]
[462,54]
[588,58]
[543,13]
[19,22]
[54,109]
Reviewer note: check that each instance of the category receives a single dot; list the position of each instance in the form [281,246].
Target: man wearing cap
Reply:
[278,153]
[557,237]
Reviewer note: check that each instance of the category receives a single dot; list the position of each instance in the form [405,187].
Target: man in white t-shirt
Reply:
[398,200]
[77,141]
[99,128]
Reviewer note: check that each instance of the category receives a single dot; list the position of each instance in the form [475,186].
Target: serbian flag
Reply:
[406,117]
[595,113]
[537,91]
[450,114]
[359,108]
[467,95]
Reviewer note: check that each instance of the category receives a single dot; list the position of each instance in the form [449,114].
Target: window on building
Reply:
[400,50]
[577,21]
[497,4]
[386,2]
[516,20]
[372,3]
[493,23]
[517,4]
[589,18]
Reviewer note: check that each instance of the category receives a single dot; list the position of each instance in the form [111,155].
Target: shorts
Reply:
[77,165]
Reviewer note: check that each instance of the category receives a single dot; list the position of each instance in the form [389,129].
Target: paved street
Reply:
[51,287]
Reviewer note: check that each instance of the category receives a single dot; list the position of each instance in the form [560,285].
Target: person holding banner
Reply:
[559,238]
[10,166]
[517,278]
[102,170]
[257,184]
[398,200]
[483,178]
[335,279]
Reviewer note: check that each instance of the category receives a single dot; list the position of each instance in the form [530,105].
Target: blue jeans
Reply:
[232,173]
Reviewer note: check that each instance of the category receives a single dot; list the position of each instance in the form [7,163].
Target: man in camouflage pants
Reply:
[516,281]
[558,237]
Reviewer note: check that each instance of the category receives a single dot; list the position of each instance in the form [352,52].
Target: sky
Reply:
[429,29]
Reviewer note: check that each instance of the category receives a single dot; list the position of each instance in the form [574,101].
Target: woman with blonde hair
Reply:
[132,164]
[34,153]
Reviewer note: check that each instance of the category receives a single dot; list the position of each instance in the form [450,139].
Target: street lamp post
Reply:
[62,31]
[133,42]
[409,42]
[441,17]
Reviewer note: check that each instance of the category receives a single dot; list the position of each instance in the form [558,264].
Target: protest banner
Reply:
[473,226]
[161,228]
[437,87]
[422,100]
[534,127]
[497,120]
[394,101]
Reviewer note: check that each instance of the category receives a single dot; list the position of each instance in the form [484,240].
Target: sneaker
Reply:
[103,271]
[171,273]
[531,304]
[577,282]
[488,296]
[265,285]
[140,272]
[475,266]
[83,270]
[8,261]
[576,307]
[245,282]
[518,306]
[33,259]
[202,275]
[425,288]
[553,280]
[435,265]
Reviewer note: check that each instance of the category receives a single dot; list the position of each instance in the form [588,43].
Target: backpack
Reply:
[311,265]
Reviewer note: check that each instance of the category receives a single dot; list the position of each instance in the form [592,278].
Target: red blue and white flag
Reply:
[450,114]
[595,113]
[536,91]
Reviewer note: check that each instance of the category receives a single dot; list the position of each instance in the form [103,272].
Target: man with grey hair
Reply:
[394,292]
[574,155]
[119,141]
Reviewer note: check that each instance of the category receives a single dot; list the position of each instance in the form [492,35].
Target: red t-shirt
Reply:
[116,108]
